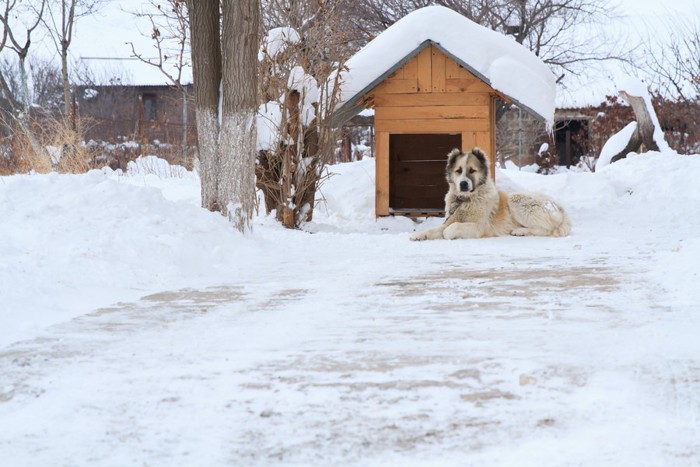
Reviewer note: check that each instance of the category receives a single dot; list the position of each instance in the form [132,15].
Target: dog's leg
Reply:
[538,215]
[462,230]
[432,234]
[531,231]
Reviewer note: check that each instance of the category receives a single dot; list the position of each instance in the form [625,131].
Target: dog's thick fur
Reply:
[474,208]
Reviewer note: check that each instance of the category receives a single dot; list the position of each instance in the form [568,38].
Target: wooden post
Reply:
[289,158]
[382,175]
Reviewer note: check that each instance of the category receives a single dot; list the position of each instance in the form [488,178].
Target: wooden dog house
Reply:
[428,101]
[427,107]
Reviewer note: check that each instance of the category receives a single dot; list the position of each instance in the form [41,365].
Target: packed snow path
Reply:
[535,360]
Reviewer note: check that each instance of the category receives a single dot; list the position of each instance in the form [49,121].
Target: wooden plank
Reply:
[466,85]
[410,69]
[397,86]
[492,117]
[468,140]
[424,62]
[422,213]
[381,169]
[434,99]
[398,74]
[452,69]
[483,140]
[438,70]
[454,125]
[432,112]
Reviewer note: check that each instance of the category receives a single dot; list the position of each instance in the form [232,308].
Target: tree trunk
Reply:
[644,133]
[185,122]
[290,158]
[645,124]
[206,71]
[24,119]
[238,132]
[66,82]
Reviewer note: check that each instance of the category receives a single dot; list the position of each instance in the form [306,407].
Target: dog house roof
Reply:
[498,60]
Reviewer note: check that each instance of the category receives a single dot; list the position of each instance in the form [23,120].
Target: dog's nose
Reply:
[464,186]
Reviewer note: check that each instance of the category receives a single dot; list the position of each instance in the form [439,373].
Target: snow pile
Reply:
[277,40]
[90,93]
[495,57]
[268,121]
[152,165]
[615,144]
[307,87]
[71,243]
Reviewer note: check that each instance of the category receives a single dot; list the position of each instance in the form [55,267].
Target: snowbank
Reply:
[71,243]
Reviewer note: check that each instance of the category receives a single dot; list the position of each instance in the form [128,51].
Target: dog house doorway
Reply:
[417,172]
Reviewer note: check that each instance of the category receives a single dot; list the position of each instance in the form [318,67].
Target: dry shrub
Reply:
[18,154]
[61,144]
[291,168]
[63,141]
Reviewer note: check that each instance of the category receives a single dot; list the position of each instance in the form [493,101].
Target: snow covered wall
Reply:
[504,64]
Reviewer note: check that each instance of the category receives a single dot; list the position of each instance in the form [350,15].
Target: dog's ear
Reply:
[452,158]
[481,156]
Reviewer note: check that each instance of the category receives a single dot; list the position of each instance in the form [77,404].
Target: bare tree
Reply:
[59,20]
[674,58]
[224,59]
[170,34]
[13,26]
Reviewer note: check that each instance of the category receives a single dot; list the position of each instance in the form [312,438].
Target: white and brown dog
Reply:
[474,208]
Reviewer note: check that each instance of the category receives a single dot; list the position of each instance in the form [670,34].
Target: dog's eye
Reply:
[471,171]
[459,171]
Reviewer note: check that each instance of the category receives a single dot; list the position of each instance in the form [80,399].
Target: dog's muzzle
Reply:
[464,186]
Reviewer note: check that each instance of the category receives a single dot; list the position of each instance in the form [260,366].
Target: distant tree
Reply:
[59,19]
[674,58]
[170,29]
[224,64]
[19,20]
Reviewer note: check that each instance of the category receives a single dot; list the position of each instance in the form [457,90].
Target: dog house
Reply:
[432,79]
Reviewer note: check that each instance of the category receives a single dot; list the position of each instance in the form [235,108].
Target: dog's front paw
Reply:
[419,236]
[520,232]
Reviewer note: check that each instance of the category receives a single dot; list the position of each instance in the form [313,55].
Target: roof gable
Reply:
[497,60]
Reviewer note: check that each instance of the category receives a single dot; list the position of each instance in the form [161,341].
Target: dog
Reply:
[475,208]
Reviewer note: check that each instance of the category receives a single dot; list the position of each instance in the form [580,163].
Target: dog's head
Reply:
[466,171]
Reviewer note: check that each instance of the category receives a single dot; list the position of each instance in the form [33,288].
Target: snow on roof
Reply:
[502,63]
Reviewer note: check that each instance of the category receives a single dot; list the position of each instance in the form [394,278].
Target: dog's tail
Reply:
[561,219]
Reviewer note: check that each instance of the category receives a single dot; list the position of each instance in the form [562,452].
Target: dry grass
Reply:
[60,142]
[63,141]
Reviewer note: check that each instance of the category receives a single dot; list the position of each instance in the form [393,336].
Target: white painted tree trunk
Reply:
[208,145]
[225,78]
[237,167]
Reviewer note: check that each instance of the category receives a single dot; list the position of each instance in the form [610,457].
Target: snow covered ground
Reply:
[138,329]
